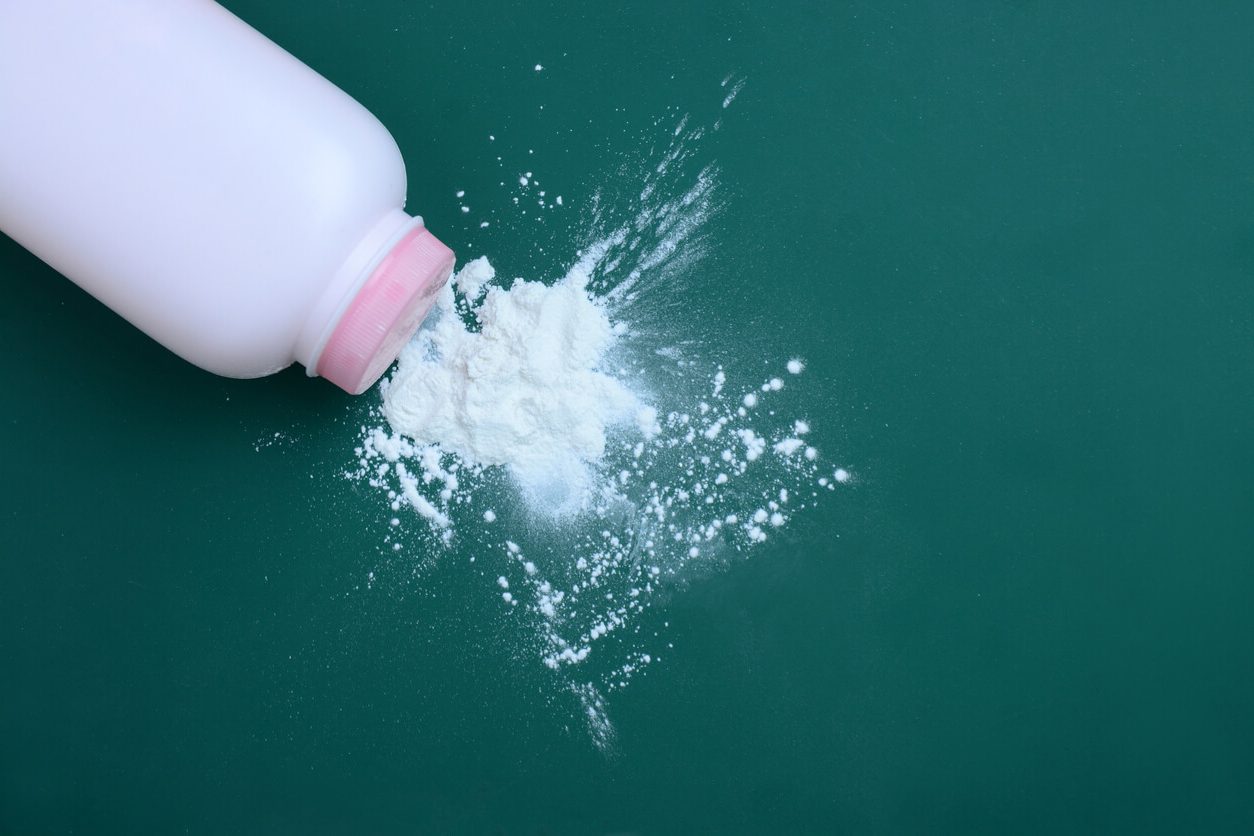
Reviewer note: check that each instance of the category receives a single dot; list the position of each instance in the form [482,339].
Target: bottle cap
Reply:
[386,312]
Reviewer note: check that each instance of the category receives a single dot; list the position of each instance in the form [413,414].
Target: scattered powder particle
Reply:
[795,366]
[789,446]
[751,400]
[841,475]
[754,443]
[646,422]
[539,67]
[471,279]
[489,516]
[461,193]
[424,507]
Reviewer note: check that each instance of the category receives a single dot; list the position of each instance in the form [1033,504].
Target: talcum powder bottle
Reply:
[210,188]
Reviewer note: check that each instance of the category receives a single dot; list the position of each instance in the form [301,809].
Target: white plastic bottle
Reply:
[209,187]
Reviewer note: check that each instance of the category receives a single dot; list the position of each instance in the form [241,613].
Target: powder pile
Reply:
[521,389]
[587,464]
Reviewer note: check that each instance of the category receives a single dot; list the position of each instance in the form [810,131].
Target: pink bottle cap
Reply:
[386,312]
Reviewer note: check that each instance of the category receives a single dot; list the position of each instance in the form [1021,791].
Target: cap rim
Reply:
[386,311]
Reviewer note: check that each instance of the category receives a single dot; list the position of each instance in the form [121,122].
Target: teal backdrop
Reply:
[1016,243]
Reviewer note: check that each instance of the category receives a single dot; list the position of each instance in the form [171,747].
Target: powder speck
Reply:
[789,446]
[735,91]
[470,280]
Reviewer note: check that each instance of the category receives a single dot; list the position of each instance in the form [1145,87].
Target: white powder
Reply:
[788,446]
[470,280]
[524,391]
[638,466]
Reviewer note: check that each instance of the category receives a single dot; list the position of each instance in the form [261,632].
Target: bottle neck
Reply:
[375,303]
[348,279]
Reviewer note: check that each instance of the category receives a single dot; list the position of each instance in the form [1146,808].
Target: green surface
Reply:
[1016,242]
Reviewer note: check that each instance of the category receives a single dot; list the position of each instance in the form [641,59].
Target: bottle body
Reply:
[193,176]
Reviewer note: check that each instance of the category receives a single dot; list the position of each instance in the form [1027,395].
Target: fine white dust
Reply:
[569,432]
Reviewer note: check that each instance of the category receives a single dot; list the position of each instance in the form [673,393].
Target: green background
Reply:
[1016,243]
